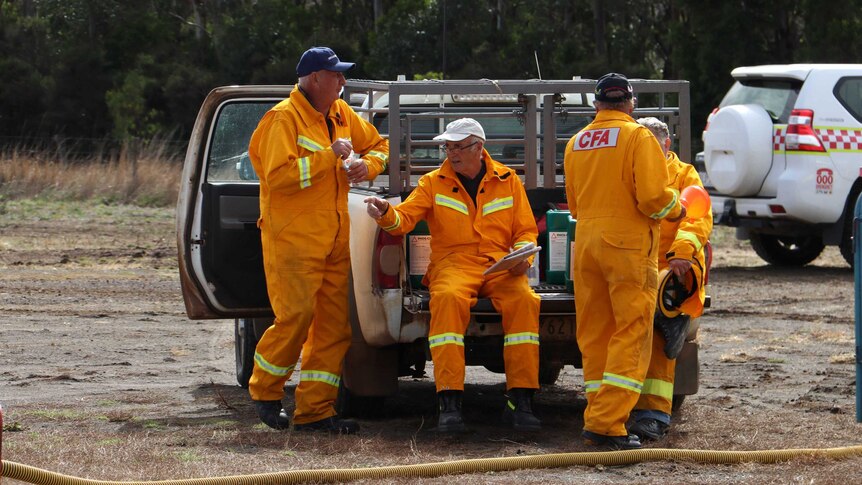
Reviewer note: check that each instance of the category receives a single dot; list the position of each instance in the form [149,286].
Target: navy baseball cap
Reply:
[319,59]
[613,87]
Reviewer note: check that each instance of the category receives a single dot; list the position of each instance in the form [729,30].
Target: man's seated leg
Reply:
[519,305]
[453,285]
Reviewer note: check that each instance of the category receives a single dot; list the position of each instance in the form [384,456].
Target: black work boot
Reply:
[272,414]
[519,410]
[674,330]
[332,424]
[649,429]
[449,405]
[630,442]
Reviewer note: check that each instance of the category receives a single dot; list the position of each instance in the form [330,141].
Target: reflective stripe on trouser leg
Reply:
[328,341]
[615,291]
[454,284]
[519,305]
[657,393]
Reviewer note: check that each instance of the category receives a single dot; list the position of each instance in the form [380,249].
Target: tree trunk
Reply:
[378,12]
[599,28]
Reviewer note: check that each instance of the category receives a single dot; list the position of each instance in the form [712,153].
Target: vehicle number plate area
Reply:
[556,328]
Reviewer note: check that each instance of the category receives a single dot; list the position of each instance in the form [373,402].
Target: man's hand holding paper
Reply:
[513,261]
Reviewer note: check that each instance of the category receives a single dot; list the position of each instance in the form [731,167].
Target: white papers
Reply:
[512,259]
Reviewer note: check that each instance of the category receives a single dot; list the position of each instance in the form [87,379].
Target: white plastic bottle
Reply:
[533,271]
[350,161]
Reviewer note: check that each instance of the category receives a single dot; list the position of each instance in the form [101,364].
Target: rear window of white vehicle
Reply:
[849,94]
[777,96]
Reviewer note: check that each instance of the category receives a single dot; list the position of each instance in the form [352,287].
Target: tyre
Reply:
[678,399]
[349,404]
[247,332]
[846,244]
[787,250]
[548,374]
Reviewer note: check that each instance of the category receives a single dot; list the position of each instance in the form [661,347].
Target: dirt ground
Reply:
[102,375]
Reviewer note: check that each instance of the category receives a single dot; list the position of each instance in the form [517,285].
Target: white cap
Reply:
[460,129]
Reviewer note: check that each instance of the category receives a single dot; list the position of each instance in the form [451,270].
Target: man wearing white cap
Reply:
[477,212]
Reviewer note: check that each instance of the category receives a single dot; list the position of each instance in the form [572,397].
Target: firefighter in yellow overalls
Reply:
[477,211]
[299,151]
[616,186]
[681,251]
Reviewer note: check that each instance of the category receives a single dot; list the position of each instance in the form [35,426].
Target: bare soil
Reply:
[102,375]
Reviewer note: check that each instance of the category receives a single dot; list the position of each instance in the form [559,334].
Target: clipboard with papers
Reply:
[513,259]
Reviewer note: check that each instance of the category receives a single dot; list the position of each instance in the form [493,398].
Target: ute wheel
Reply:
[846,244]
[787,250]
[548,374]
[349,404]
[247,332]
[678,399]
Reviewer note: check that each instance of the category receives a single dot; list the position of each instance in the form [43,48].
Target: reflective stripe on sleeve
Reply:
[451,203]
[382,156]
[319,376]
[450,338]
[271,368]
[521,338]
[660,214]
[395,224]
[308,143]
[304,172]
[497,205]
[690,237]
[520,244]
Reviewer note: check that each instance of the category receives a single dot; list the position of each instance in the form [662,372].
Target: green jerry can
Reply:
[418,253]
[557,246]
[570,253]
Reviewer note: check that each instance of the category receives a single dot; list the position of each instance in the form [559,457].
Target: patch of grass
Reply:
[57,414]
[152,425]
[736,358]
[775,360]
[189,456]
[109,442]
[847,358]
[830,336]
[119,416]
[144,175]
[13,427]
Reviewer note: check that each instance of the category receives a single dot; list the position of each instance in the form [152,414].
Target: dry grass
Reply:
[147,176]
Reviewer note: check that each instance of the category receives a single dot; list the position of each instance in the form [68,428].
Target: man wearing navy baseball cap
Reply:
[306,151]
[616,186]
[321,58]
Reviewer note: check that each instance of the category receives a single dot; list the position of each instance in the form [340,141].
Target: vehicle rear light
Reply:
[800,134]
[388,254]
[708,119]
[777,209]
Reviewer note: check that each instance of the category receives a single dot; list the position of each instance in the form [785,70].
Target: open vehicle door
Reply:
[220,259]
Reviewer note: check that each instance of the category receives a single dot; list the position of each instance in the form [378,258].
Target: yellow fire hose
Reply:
[30,474]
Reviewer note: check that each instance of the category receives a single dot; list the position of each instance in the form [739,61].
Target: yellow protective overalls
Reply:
[304,228]
[466,239]
[616,179]
[683,239]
